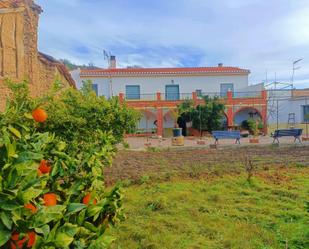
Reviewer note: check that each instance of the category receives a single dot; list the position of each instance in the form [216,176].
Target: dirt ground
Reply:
[137,166]
[138,143]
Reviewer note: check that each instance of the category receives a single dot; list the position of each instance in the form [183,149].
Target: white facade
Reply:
[209,81]
[151,84]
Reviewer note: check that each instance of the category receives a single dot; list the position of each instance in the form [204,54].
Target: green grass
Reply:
[222,212]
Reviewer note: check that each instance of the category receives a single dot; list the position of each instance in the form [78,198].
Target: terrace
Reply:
[239,105]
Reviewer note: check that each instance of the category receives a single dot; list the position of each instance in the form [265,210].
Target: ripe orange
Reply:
[17,243]
[50,199]
[31,207]
[31,239]
[44,167]
[87,198]
[39,115]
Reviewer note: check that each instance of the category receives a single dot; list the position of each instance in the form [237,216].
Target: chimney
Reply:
[220,65]
[113,63]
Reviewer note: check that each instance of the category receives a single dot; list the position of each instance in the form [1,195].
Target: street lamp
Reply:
[295,68]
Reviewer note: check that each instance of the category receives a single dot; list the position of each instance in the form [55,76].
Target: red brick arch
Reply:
[248,108]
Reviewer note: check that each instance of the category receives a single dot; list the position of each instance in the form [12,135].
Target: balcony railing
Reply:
[190,96]
[147,96]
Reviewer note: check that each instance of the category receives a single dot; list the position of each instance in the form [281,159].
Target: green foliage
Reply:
[185,110]
[78,141]
[260,125]
[251,125]
[209,115]
[204,117]
[81,113]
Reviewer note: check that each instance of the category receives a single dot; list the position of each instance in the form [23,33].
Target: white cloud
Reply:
[253,34]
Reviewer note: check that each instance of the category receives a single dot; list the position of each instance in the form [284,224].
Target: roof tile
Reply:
[162,71]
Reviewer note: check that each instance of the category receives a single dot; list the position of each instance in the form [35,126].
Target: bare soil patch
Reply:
[196,163]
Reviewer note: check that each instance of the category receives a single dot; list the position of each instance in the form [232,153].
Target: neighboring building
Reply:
[19,56]
[157,91]
[288,109]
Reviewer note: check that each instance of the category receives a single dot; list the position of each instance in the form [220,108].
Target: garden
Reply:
[65,183]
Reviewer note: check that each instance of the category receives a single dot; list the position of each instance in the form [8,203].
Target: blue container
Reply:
[177,132]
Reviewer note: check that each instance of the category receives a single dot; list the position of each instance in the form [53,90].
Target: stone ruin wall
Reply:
[19,57]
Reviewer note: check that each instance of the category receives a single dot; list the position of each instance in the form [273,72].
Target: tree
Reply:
[52,192]
[207,116]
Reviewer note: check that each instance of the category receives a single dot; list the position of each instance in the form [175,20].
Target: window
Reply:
[306,113]
[225,88]
[172,92]
[133,92]
[95,88]
[198,92]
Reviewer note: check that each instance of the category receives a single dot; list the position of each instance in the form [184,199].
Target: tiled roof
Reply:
[162,71]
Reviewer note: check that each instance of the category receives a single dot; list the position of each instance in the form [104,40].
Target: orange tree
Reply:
[52,192]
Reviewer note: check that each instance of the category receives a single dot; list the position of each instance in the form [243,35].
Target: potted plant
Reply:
[177,132]
[260,127]
[253,127]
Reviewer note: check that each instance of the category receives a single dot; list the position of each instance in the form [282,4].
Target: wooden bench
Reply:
[296,133]
[226,135]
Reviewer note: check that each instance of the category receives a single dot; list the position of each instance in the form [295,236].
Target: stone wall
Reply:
[19,56]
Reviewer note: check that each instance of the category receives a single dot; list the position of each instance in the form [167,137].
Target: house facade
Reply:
[156,92]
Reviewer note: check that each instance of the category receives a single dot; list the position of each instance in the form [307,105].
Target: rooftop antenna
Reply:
[107,56]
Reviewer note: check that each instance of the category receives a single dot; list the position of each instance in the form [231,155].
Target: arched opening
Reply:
[224,122]
[147,123]
[246,113]
[169,122]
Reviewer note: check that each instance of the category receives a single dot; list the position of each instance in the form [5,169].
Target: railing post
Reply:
[229,95]
[194,97]
[158,96]
[230,118]
[159,122]
[264,94]
[121,98]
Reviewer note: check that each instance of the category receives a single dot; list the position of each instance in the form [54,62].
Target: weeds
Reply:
[157,205]
[249,168]
[144,179]
[153,149]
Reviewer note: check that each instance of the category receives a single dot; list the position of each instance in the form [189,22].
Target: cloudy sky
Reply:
[260,35]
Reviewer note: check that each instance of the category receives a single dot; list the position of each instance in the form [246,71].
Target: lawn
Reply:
[221,209]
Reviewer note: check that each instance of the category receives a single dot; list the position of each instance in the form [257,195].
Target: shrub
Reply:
[77,116]
[207,116]
[250,125]
[48,170]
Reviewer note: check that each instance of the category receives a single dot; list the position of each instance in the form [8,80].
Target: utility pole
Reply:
[277,114]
